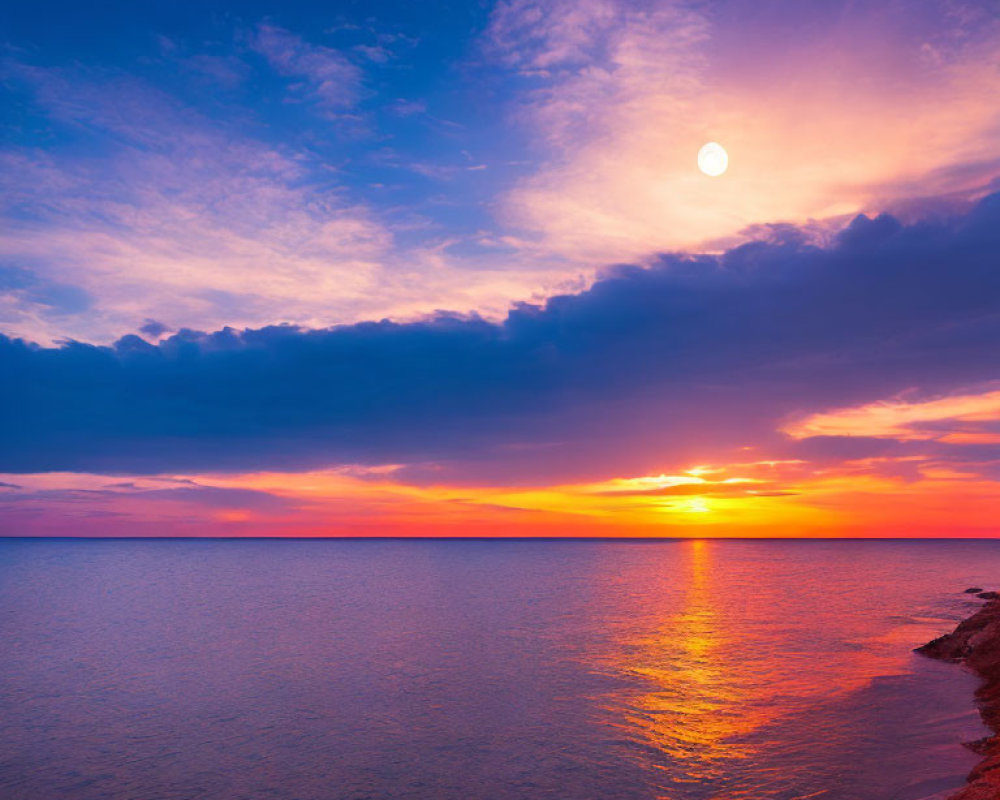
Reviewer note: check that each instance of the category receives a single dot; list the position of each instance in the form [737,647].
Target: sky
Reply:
[451,269]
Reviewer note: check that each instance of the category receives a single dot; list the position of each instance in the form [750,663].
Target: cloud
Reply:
[226,72]
[225,179]
[848,113]
[327,78]
[693,358]
[941,418]
[154,328]
[81,505]
[542,37]
[175,215]
[142,204]
[674,485]
[26,291]
[220,497]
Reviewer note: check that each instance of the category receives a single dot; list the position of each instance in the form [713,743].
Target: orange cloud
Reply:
[900,419]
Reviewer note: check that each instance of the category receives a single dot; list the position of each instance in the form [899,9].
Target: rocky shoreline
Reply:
[976,644]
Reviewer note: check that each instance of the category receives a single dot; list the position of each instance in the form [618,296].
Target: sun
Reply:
[713,159]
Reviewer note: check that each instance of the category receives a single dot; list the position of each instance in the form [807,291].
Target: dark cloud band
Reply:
[692,354]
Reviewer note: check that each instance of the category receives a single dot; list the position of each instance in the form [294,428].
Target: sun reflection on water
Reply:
[743,659]
[699,703]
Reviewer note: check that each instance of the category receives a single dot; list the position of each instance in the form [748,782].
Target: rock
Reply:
[976,643]
[944,648]
[983,746]
[982,789]
[974,590]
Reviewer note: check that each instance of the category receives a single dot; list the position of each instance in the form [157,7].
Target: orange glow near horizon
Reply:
[907,496]
[932,493]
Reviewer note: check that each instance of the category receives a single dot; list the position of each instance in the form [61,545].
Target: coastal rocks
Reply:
[961,643]
[974,590]
[976,643]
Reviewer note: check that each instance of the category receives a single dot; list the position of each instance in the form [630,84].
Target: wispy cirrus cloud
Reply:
[180,219]
[594,61]
[550,37]
[195,222]
[821,116]
[149,207]
[22,291]
[322,75]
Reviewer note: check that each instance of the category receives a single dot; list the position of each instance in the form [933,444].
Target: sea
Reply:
[449,669]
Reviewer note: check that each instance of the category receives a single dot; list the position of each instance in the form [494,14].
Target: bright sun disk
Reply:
[713,159]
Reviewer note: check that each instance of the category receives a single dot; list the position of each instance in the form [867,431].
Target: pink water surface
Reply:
[310,670]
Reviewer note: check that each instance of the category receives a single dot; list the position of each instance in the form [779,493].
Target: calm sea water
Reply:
[296,670]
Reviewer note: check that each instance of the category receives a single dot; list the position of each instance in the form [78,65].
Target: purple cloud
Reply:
[690,358]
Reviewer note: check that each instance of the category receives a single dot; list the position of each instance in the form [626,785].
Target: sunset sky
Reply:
[451,269]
